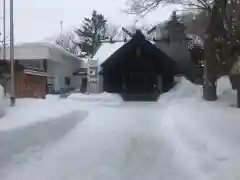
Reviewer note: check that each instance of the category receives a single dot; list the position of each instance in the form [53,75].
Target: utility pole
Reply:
[4,30]
[61,28]
[88,77]
[12,54]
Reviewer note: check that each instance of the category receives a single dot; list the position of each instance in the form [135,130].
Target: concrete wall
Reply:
[93,87]
[61,70]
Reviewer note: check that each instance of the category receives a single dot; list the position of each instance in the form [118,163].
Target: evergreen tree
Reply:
[93,30]
[174,29]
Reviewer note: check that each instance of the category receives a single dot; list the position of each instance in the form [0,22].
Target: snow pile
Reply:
[29,111]
[226,95]
[223,85]
[51,97]
[184,89]
[102,97]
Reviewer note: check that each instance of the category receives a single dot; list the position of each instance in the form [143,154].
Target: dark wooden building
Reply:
[138,69]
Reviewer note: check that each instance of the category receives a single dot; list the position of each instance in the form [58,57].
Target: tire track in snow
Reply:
[15,142]
[199,151]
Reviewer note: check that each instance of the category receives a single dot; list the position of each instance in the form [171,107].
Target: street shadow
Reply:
[42,134]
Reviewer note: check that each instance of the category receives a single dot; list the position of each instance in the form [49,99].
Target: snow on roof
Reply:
[195,40]
[41,50]
[152,42]
[106,50]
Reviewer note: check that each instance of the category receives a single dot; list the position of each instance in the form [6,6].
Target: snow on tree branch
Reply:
[67,41]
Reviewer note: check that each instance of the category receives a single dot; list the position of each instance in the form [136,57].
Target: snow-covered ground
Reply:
[29,111]
[180,137]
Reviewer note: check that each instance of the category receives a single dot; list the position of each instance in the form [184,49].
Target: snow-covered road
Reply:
[178,138]
[41,134]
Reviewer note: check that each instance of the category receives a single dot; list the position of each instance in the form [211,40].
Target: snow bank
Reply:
[52,97]
[28,111]
[184,89]
[223,85]
[102,97]
[226,95]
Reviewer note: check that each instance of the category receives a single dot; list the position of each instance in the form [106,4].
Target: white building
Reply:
[54,60]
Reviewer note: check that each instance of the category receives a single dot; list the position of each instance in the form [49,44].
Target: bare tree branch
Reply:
[143,7]
[66,41]
[111,30]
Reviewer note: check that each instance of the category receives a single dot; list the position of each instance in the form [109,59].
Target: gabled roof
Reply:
[138,40]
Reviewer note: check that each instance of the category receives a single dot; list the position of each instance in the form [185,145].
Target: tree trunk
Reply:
[214,30]
[209,91]
[209,88]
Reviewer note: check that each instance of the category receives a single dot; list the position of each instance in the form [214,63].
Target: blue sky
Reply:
[36,20]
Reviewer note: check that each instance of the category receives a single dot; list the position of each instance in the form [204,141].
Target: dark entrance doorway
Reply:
[140,83]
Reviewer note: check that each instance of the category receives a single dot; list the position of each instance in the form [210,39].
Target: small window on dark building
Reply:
[67,81]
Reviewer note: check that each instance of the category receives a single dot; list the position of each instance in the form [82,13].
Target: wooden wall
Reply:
[30,85]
